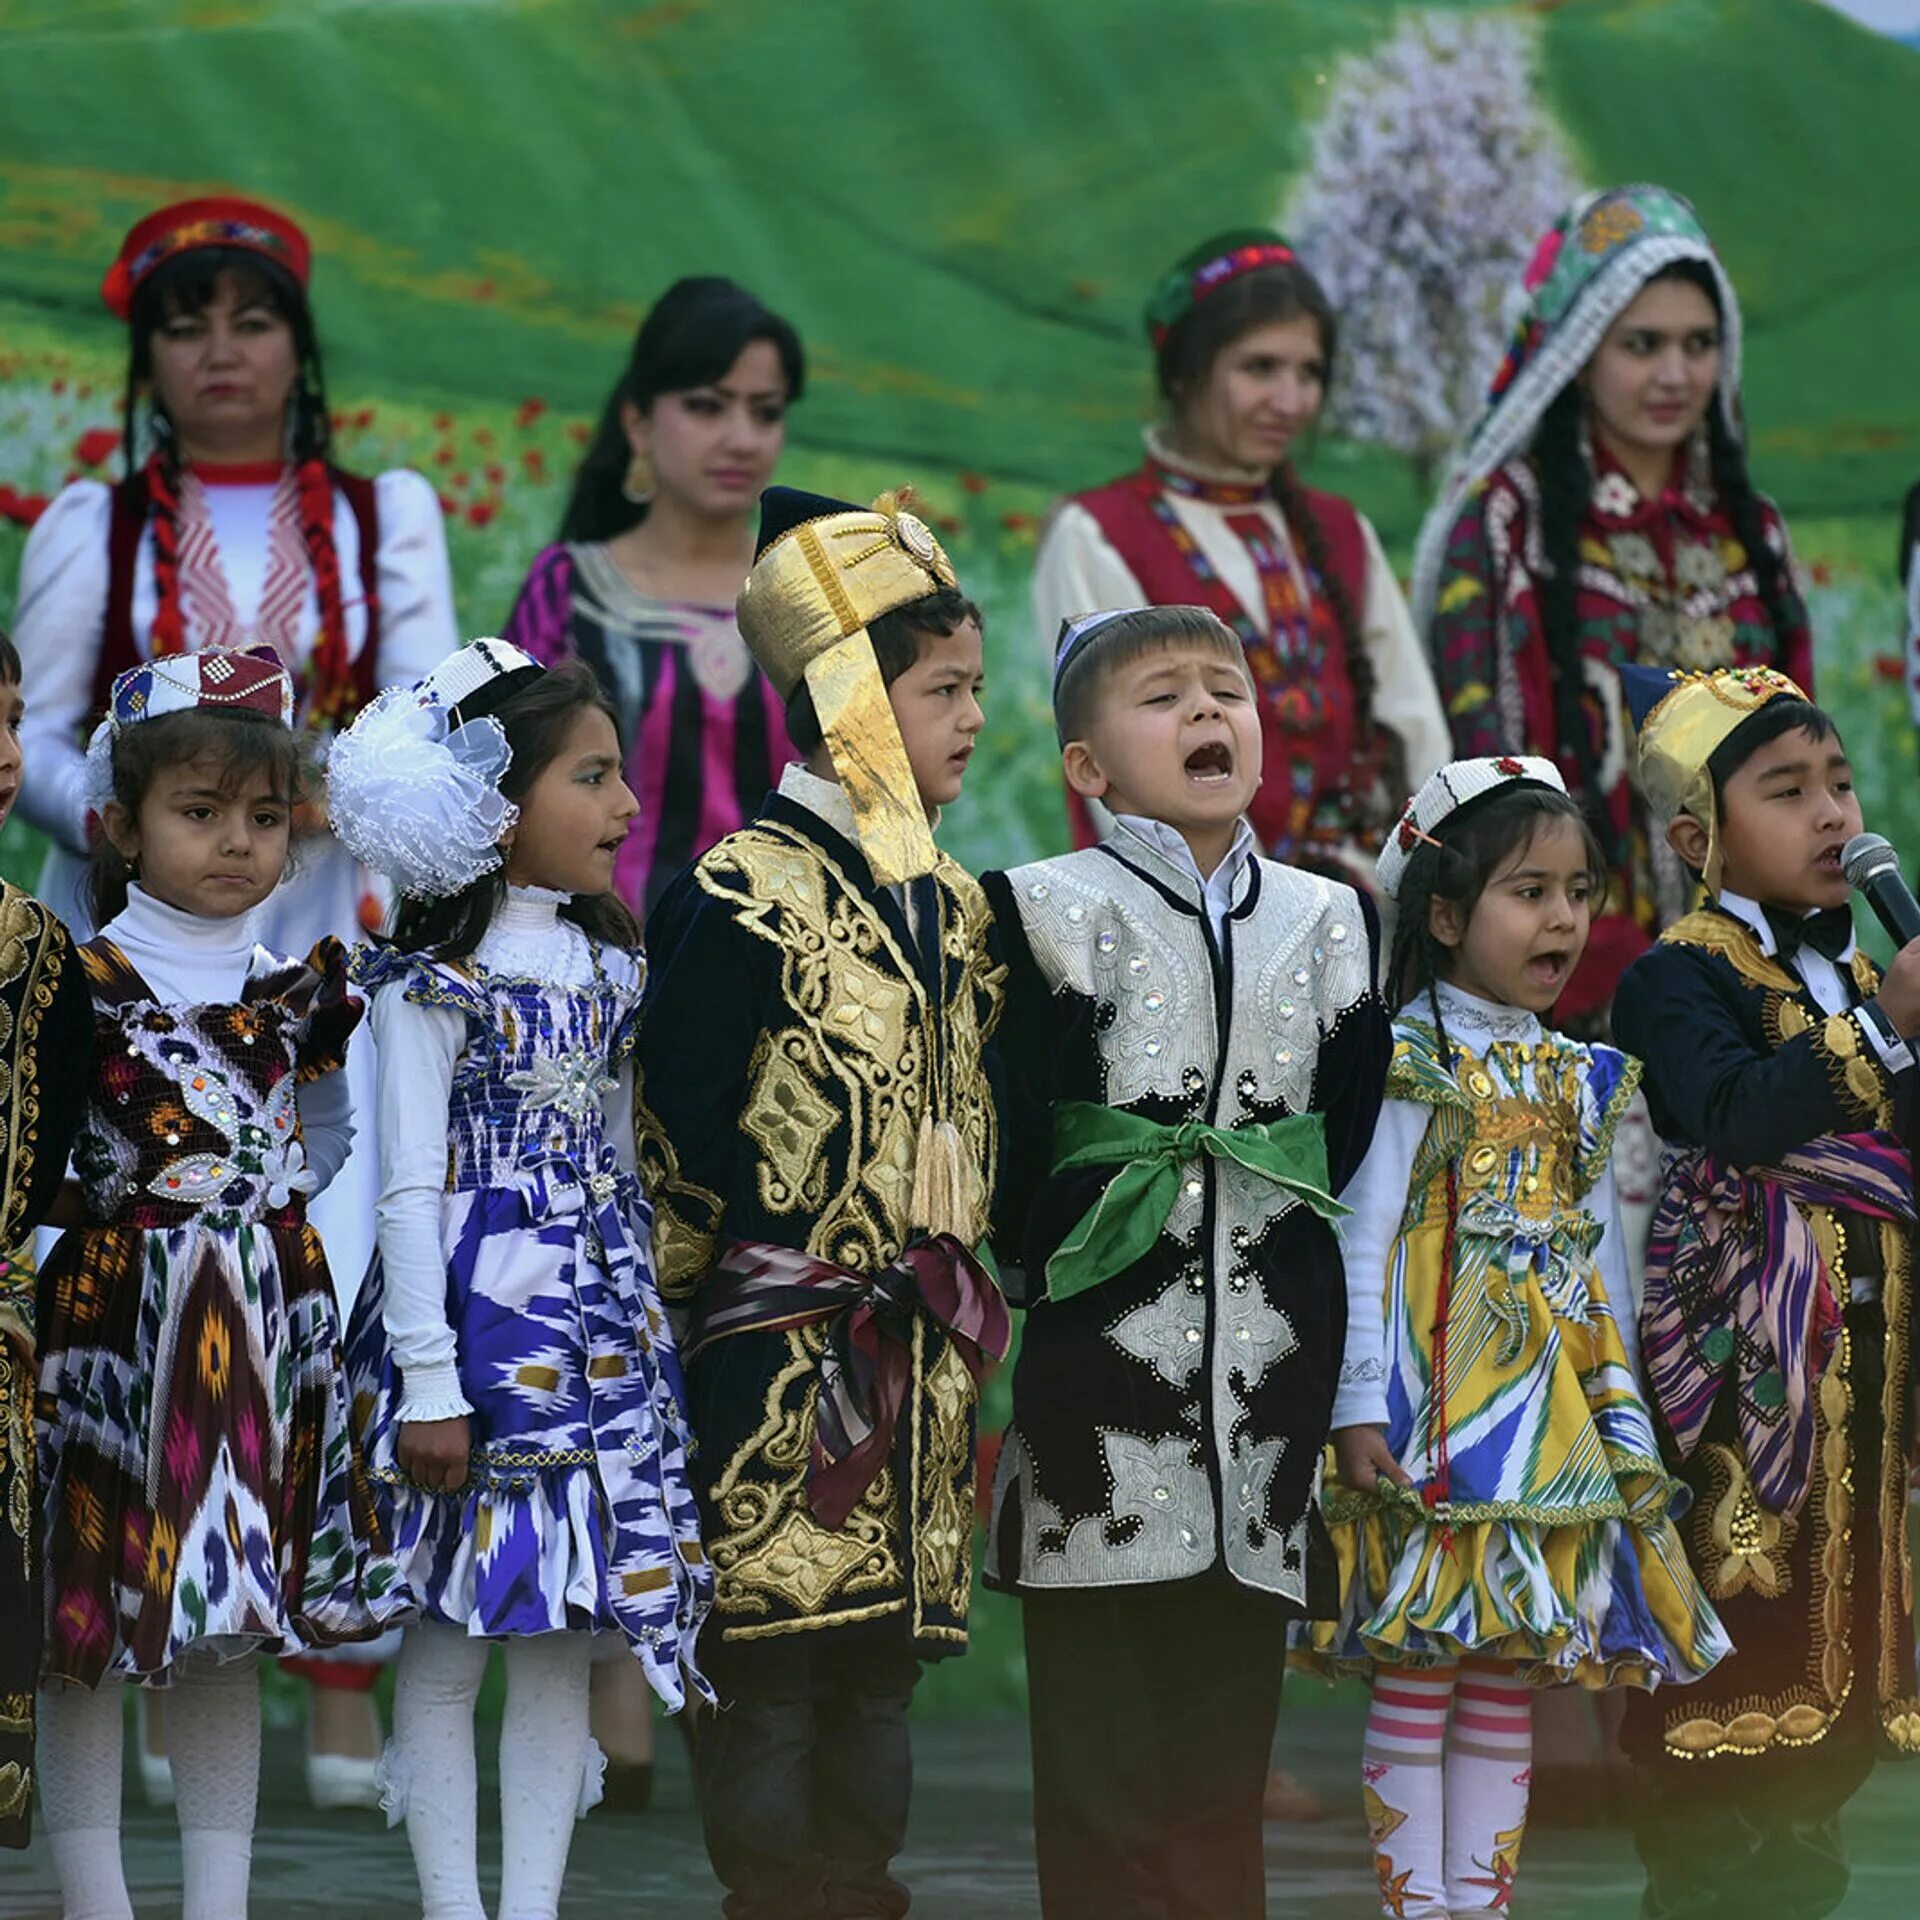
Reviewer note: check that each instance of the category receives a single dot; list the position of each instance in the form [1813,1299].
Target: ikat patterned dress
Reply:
[200,1481]
[577,1513]
[1539,1526]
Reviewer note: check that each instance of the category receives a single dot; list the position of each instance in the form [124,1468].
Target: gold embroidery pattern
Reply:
[1735,943]
[769,1548]
[1741,1544]
[856,1055]
[1899,1710]
[943,1490]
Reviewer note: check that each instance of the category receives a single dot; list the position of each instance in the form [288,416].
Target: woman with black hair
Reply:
[1601,514]
[656,542]
[1244,343]
[232,528]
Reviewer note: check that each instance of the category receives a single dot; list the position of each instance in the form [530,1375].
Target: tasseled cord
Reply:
[943,1179]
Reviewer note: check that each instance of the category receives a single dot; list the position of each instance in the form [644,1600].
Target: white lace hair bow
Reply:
[417,800]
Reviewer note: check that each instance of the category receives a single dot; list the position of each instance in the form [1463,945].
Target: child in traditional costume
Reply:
[1194,1050]
[203,1498]
[1501,1511]
[819,1136]
[1778,1322]
[46,1044]
[515,1382]
[1600,514]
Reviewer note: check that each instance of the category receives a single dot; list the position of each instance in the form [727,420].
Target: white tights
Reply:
[549,1767]
[213,1740]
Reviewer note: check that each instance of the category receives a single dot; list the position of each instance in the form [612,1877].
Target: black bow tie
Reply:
[1829,932]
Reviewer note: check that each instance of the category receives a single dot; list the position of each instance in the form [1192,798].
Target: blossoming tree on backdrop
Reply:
[1434,169]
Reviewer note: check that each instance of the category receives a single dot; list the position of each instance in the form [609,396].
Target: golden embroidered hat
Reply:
[825,569]
[1680,720]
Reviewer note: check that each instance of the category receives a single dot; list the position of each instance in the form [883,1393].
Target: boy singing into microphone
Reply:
[1777,1327]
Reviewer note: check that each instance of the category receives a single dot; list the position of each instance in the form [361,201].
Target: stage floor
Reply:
[971,1853]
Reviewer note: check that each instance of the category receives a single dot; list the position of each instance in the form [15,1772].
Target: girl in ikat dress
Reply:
[515,1383]
[1500,1513]
[203,1498]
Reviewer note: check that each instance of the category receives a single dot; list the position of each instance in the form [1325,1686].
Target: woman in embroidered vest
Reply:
[656,542]
[1601,513]
[1244,343]
[232,529]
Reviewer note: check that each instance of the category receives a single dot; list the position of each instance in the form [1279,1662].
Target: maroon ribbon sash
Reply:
[866,1367]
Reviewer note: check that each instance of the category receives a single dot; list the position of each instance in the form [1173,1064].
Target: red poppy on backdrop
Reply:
[972,482]
[479,512]
[530,411]
[96,446]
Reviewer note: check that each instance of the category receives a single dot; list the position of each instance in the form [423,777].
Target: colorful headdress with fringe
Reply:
[825,570]
[1586,270]
[1210,266]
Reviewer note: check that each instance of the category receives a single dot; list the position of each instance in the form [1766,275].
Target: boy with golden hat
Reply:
[819,1136]
[1778,1321]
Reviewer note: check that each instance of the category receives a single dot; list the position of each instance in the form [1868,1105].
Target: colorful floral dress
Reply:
[1539,1526]
[200,1482]
[576,1514]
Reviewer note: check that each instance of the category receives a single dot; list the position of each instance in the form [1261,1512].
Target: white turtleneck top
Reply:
[1378,1196]
[193,961]
[418,1049]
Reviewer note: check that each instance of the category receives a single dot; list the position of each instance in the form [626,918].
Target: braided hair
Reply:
[1566,492]
[1468,848]
[1185,359]
[188,284]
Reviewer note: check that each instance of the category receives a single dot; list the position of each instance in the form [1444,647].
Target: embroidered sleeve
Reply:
[329,1010]
[426,982]
[1612,1079]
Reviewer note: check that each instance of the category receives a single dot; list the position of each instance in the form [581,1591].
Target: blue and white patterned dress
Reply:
[576,1514]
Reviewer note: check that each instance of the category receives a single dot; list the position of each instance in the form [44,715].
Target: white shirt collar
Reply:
[1218,889]
[149,924]
[529,910]
[1160,446]
[1750,914]
[1469,1016]
[825,798]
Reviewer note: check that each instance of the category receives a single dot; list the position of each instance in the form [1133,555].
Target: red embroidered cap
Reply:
[224,220]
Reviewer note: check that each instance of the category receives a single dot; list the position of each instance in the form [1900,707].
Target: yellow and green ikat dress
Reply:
[1539,1526]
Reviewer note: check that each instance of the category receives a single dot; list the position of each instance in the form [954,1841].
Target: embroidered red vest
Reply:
[128,522]
[1306,709]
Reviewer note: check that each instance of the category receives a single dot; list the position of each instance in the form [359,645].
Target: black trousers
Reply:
[805,1774]
[1152,1714]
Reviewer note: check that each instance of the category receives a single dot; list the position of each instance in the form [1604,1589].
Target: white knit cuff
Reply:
[433,1393]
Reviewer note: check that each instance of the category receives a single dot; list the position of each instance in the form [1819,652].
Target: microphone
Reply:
[1873,868]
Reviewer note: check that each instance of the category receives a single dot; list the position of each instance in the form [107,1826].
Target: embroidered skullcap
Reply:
[221,220]
[1584,273]
[1680,720]
[1458,785]
[825,571]
[1079,632]
[480,676]
[1202,272]
[247,677]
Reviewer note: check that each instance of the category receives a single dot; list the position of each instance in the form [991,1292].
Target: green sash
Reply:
[1128,1217]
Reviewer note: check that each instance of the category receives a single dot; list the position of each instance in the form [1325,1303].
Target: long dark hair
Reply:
[1566,492]
[237,741]
[1473,844]
[186,284]
[1185,358]
[698,328]
[536,714]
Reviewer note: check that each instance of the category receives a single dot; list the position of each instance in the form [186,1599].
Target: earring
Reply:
[638,485]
